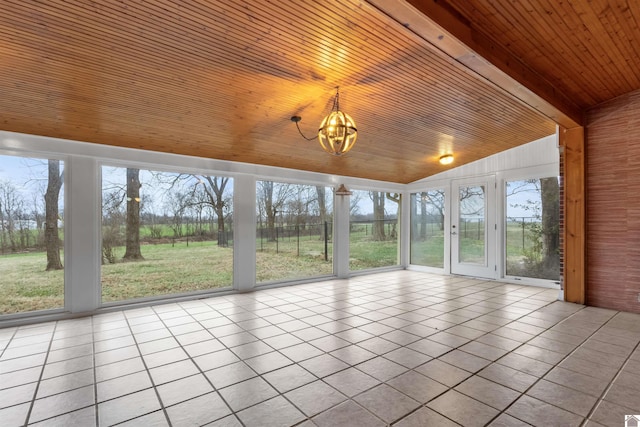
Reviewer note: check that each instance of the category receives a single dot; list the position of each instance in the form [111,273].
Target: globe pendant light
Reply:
[337,132]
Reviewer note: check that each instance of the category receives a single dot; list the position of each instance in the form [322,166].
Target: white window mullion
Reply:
[244,233]
[83,254]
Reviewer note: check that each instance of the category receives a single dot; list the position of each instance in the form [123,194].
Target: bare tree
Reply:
[176,204]
[132,239]
[214,187]
[38,215]
[10,208]
[215,192]
[550,195]
[435,200]
[299,205]
[354,203]
[542,256]
[113,215]
[272,196]
[51,235]
[378,198]
[395,198]
[322,208]
[422,234]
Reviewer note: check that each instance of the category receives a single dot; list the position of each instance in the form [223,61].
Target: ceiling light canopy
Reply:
[337,132]
[446,159]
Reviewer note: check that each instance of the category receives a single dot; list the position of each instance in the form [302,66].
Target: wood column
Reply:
[574,232]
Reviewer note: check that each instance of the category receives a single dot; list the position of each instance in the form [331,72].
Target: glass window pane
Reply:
[31,234]
[374,230]
[164,233]
[294,231]
[471,227]
[532,228]
[427,228]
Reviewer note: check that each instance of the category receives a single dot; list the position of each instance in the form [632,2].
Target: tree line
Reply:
[27,224]
[191,204]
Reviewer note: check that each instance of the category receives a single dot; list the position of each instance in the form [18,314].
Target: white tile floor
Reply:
[403,348]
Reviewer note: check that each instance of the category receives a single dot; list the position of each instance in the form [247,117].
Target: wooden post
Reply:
[574,233]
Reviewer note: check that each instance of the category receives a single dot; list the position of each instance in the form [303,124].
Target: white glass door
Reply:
[473,228]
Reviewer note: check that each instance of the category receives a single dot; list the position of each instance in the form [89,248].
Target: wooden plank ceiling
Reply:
[587,50]
[222,78]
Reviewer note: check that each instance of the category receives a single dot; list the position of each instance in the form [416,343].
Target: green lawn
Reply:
[26,286]
[168,269]
[428,252]
[177,268]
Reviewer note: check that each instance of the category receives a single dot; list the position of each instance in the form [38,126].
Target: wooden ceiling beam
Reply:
[441,26]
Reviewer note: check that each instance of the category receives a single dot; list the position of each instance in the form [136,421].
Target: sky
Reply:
[24,173]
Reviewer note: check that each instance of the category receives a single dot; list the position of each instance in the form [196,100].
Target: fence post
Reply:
[523,233]
[277,242]
[298,232]
[326,241]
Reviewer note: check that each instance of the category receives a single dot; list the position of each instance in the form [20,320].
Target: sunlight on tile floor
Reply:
[403,348]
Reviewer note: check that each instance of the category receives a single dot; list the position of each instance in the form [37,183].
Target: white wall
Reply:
[542,152]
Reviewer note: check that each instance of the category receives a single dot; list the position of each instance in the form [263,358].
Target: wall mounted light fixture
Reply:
[343,191]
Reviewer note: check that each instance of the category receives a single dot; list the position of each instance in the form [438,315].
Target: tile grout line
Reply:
[615,377]
[585,418]
[150,379]
[321,379]
[367,294]
[500,412]
[44,365]
[280,394]
[95,375]
[8,342]
[190,358]
[523,393]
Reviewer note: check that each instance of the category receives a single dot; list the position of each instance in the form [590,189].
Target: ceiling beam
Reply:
[441,26]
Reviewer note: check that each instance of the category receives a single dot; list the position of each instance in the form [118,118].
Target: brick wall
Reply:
[613,203]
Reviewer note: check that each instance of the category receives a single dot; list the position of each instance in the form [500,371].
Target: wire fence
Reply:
[518,228]
[314,239]
[300,239]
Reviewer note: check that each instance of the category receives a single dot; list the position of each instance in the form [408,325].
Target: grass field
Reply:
[168,269]
[26,286]
[178,268]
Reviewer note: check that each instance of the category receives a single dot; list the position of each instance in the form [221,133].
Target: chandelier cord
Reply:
[301,134]
[336,107]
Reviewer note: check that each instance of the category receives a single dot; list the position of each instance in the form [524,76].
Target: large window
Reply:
[532,228]
[164,233]
[295,225]
[31,234]
[427,228]
[374,229]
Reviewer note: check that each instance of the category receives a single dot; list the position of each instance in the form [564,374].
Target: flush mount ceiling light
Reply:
[446,159]
[337,132]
